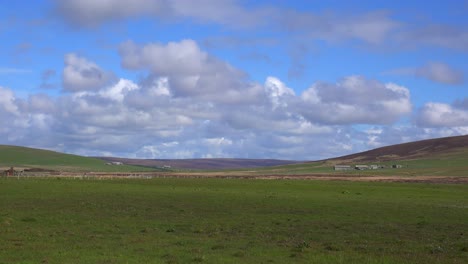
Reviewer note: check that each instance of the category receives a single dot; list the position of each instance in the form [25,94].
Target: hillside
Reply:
[412,150]
[442,156]
[31,158]
[433,157]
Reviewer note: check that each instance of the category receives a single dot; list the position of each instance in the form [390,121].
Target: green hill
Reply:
[23,157]
[433,157]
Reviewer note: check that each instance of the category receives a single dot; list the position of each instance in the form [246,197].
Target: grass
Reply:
[231,221]
[45,159]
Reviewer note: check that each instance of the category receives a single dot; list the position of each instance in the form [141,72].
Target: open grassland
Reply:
[49,160]
[231,221]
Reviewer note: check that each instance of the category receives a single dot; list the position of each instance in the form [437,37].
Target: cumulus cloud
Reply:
[80,74]
[434,71]
[24,121]
[443,115]
[7,100]
[114,121]
[278,92]
[192,104]
[181,58]
[355,99]
[191,72]
[118,91]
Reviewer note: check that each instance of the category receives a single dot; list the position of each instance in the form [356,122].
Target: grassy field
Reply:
[37,158]
[231,221]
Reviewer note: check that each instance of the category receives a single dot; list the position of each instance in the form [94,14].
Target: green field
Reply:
[231,221]
[51,160]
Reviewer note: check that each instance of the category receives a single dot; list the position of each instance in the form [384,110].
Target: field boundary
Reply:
[231,175]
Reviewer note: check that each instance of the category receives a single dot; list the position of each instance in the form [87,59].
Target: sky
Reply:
[284,79]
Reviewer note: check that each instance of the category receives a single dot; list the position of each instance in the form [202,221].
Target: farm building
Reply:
[361,167]
[114,163]
[341,167]
[373,167]
[397,166]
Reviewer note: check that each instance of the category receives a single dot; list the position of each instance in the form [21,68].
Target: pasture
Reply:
[231,221]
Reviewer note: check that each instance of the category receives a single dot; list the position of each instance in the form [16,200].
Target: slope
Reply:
[412,150]
[14,156]
[434,157]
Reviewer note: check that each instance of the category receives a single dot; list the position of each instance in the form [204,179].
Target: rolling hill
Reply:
[203,164]
[39,159]
[412,150]
[441,156]
[433,157]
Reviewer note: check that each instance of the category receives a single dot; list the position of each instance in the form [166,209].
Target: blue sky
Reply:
[252,79]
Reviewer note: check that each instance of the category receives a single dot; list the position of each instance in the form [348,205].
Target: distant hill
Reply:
[202,164]
[412,150]
[433,157]
[440,156]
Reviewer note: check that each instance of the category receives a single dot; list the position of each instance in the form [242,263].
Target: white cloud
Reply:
[189,103]
[355,99]
[184,58]
[190,71]
[118,91]
[81,74]
[7,101]
[442,115]
[276,91]
[98,123]
[242,119]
